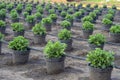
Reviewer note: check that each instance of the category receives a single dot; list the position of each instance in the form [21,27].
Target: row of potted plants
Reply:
[100,61]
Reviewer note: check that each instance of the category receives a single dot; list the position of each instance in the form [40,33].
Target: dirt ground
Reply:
[35,69]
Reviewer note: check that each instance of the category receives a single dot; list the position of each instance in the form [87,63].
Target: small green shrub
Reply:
[87,26]
[65,24]
[40,9]
[2,23]
[114,7]
[92,14]
[64,34]
[51,11]
[69,17]
[19,43]
[88,5]
[97,39]
[111,11]
[17,27]
[104,6]
[100,58]
[53,16]
[78,14]
[30,19]
[63,14]
[25,14]
[38,15]
[14,15]
[2,6]
[106,21]
[87,18]
[1,36]
[96,6]
[70,10]
[10,6]
[19,7]
[109,16]
[115,29]
[28,9]
[47,20]
[39,29]
[54,49]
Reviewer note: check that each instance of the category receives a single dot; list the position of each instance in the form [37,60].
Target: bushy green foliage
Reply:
[78,14]
[106,21]
[39,29]
[97,39]
[109,16]
[69,17]
[30,19]
[47,20]
[63,14]
[65,24]
[14,15]
[111,11]
[100,58]
[25,14]
[28,9]
[19,43]
[40,9]
[53,16]
[51,11]
[54,49]
[87,18]
[2,6]
[17,27]
[64,34]
[19,7]
[87,26]
[10,6]
[92,14]
[88,5]
[2,23]
[38,15]
[114,7]
[1,36]
[115,29]
[70,10]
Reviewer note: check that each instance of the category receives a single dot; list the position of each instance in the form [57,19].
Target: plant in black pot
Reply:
[39,34]
[19,8]
[66,25]
[40,9]
[100,64]
[111,11]
[96,41]
[63,15]
[107,23]
[59,10]
[18,29]
[70,18]
[1,38]
[95,6]
[109,16]
[47,22]
[78,16]
[55,57]
[54,18]
[87,29]
[70,11]
[93,15]
[19,45]
[38,16]
[115,33]
[30,19]
[29,10]
[2,27]
[65,37]
[87,18]
[10,7]
[2,14]
[51,11]
[14,16]
[114,7]
[25,14]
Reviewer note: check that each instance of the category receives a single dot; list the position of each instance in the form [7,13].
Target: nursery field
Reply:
[76,67]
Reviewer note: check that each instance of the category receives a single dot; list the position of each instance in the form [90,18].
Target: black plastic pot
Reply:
[39,39]
[115,37]
[68,43]
[100,74]
[87,33]
[93,46]
[15,20]
[106,27]
[21,33]
[48,27]
[55,65]
[2,30]
[20,57]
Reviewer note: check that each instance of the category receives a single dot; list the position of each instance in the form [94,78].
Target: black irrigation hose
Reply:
[67,55]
